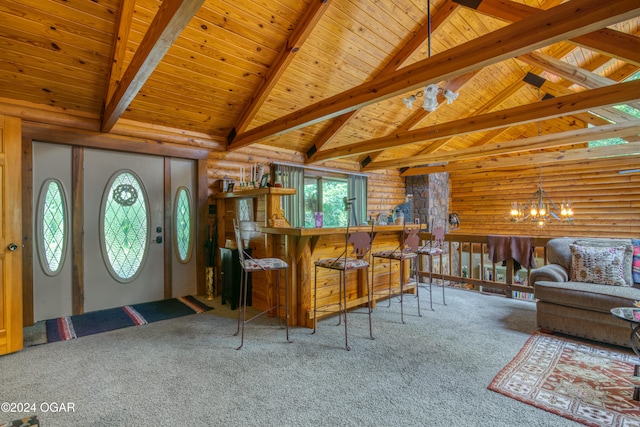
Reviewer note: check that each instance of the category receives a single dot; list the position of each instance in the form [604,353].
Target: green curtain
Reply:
[357,189]
[292,177]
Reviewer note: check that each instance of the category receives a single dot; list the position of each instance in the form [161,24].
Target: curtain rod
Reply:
[320,169]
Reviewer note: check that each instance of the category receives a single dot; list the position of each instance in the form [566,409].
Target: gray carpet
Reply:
[431,371]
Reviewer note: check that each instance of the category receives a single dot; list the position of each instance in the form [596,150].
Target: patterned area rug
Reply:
[70,327]
[589,384]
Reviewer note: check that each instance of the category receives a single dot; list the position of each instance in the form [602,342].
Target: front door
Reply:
[10,235]
[124,229]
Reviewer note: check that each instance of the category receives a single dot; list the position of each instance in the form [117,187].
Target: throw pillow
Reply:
[611,243]
[602,265]
[636,260]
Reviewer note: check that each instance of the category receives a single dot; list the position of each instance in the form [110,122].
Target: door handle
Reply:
[12,247]
[158,239]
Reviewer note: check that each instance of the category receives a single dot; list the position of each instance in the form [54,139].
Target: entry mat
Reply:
[70,327]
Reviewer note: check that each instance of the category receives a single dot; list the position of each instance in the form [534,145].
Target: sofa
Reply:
[585,278]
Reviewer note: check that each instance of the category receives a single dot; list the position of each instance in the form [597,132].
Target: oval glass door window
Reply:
[51,227]
[182,215]
[124,226]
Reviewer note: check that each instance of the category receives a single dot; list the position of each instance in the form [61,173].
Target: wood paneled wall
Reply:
[606,203]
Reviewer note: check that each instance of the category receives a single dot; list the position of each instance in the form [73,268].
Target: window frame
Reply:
[40,249]
[103,247]
[176,245]
[320,180]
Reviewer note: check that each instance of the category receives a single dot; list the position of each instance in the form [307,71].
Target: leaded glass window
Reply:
[183,229]
[124,226]
[51,227]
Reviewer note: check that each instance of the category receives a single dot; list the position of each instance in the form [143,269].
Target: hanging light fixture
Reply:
[430,92]
[540,209]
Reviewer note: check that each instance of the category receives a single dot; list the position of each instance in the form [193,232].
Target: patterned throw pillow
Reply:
[636,260]
[614,243]
[597,265]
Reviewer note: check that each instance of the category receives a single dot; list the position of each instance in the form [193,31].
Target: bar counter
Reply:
[301,247]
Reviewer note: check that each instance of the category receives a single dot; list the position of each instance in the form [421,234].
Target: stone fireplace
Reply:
[430,198]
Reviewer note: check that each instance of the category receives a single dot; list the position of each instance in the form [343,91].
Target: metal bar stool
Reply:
[361,243]
[433,248]
[406,251]
[250,265]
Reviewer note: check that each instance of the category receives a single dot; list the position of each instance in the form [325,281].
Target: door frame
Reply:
[80,139]
[11,314]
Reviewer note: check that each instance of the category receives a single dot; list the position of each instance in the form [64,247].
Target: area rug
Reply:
[70,327]
[585,383]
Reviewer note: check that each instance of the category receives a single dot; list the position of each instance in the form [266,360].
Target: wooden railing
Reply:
[466,261]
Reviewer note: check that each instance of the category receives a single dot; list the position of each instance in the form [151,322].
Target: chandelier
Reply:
[540,209]
[431,91]
[430,94]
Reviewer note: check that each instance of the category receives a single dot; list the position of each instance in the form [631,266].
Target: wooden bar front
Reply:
[303,246]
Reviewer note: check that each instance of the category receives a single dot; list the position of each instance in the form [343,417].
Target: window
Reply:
[51,227]
[325,195]
[182,224]
[124,226]
[322,191]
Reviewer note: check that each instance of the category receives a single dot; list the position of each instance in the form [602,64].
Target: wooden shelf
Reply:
[276,191]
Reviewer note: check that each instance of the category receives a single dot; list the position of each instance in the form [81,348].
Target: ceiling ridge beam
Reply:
[540,142]
[172,17]
[567,20]
[545,109]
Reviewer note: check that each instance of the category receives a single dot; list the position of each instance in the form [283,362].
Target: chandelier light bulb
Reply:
[451,96]
[408,101]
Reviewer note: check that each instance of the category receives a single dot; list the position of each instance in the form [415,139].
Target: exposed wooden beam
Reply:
[454,85]
[569,72]
[567,20]
[555,157]
[616,44]
[610,113]
[423,33]
[110,141]
[495,101]
[167,25]
[303,29]
[119,46]
[546,109]
[517,146]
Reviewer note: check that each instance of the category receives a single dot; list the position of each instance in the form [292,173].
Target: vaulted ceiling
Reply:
[326,79]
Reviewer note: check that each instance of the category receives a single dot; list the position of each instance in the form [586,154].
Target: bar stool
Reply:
[361,244]
[250,265]
[406,251]
[433,248]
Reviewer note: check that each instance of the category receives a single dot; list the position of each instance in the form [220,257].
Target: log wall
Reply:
[606,203]
[386,187]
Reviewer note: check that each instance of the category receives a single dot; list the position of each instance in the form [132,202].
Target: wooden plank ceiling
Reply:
[326,78]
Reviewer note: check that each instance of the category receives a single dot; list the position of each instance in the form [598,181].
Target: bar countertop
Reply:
[300,232]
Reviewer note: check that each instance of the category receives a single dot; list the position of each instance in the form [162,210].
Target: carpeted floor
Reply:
[584,382]
[432,371]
